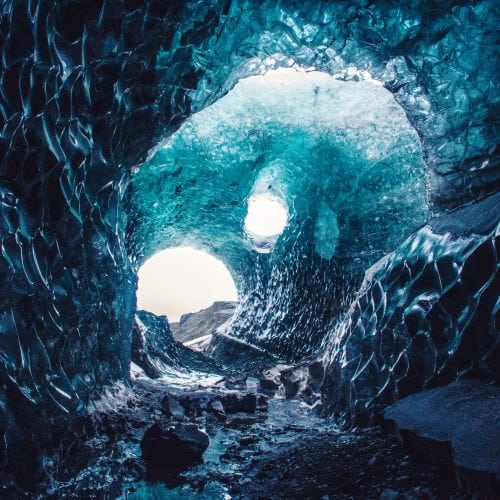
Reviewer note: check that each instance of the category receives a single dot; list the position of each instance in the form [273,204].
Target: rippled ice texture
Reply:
[88,88]
[340,154]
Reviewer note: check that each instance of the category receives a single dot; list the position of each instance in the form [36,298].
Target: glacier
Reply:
[129,127]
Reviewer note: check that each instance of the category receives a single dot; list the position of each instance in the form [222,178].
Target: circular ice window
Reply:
[266,219]
[267,216]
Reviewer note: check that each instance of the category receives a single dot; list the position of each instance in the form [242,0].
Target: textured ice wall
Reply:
[80,104]
[342,157]
[87,89]
[425,315]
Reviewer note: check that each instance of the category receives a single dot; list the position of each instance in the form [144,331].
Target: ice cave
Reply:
[334,165]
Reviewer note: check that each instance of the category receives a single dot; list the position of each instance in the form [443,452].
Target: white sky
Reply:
[182,279]
[266,216]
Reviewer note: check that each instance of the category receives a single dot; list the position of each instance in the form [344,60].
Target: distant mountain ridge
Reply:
[204,322]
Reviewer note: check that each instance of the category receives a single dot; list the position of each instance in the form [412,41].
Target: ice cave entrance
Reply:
[181,280]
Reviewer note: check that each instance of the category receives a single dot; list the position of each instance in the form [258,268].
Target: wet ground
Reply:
[280,450]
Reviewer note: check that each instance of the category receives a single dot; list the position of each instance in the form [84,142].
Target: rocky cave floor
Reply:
[260,447]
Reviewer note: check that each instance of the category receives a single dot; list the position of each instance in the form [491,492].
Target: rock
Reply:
[194,403]
[316,370]
[303,380]
[291,382]
[134,467]
[268,386]
[238,422]
[246,440]
[236,382]
[239,402]
[175,448]
[202,323]
[112,425]
[269,379]
[172,408]
[457,426]
[262,402]
[215,407]
[137,424]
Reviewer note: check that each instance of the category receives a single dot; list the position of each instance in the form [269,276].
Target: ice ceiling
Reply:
[340,155]
[91,91]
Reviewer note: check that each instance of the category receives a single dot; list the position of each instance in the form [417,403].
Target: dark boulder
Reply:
[262,402]
[268,386]
[455,426]
[291,381]
[236,402]
[194,403]
[174,448]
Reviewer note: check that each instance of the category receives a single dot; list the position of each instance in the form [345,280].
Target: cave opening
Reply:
[184,284]
[267,216]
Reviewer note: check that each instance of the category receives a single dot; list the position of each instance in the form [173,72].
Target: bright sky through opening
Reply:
[182,279]
[266,216]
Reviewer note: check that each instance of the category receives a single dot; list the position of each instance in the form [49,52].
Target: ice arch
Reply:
[340,154]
